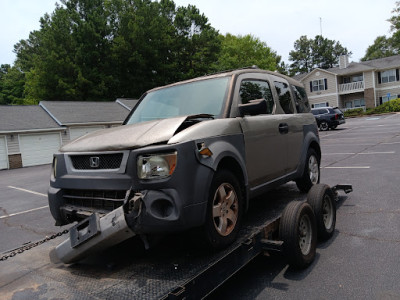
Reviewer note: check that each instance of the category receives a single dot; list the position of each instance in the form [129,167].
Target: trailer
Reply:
[175,266]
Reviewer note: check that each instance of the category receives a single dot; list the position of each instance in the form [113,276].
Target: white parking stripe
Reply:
[23,212]
[388,152]
[338,153]
[27,191]
[361,167]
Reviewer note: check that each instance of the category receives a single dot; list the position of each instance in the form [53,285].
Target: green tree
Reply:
[301,56]
[317,53]
[386,46]
[382,47]
[103,49]
[198,43]
[12,82]
[245,51]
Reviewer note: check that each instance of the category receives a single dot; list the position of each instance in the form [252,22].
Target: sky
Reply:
[278,23]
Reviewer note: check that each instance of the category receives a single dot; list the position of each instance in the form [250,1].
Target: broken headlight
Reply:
[156,166]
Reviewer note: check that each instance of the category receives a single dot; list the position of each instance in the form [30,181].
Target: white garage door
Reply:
[3,153]
[75,132]
[38,149]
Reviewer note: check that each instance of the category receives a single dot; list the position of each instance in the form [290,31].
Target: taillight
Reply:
[336,116]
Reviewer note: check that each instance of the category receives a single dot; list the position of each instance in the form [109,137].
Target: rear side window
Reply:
[285,99]
[254,90]
[337,111]
[301,99]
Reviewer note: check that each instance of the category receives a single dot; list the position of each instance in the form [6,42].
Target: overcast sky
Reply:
[278,23]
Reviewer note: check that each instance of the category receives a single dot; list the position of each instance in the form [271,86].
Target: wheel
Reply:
[322,200]
[311,172]
[224,210]
[323,126]
[298,232]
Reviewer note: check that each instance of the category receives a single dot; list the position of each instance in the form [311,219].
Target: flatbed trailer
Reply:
[175,268]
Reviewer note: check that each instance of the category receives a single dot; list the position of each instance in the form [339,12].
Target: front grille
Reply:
[98,200]
[97,161]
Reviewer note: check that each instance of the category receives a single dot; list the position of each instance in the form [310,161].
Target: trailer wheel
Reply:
[298,232]
[224,210]
[311,173]
[322,201]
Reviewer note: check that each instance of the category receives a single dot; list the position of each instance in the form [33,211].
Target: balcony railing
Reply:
[351,87]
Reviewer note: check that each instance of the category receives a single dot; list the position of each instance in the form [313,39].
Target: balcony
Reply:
[353,87]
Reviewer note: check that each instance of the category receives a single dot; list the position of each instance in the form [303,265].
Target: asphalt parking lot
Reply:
[359,262]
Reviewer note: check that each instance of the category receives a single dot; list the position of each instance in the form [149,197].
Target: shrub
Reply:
[354,112]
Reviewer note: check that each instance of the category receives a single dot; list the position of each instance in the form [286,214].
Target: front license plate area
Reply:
[84,230]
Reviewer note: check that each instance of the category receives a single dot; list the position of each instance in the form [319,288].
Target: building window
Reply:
[388,98]
[357,103]
[353,78]
[318,85]
[318,105]
[388,76]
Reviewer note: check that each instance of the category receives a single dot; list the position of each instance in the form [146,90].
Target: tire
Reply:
[298,232]
[323,126]
[311,173]
[322,201]
[224,210]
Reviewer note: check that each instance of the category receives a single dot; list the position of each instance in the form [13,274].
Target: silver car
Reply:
[192,154]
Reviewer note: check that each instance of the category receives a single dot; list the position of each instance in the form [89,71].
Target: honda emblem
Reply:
[94,162]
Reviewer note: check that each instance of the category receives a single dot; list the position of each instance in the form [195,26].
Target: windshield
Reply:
[199,97]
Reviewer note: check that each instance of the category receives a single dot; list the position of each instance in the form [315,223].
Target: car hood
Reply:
[127,136]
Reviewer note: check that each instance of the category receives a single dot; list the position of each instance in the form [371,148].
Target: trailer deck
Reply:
[176,267]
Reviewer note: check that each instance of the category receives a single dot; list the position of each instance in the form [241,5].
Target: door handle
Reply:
[283,128]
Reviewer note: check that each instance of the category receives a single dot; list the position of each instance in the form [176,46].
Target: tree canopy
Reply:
[319,52]
[245,51]
[386,46]
[103,49]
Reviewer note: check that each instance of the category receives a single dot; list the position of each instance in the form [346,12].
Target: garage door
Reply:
[3,153]
[75,132]
[38,149]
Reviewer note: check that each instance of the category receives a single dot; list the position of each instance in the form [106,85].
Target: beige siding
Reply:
[12,143]
[320,74]
[382,93]
[332,100]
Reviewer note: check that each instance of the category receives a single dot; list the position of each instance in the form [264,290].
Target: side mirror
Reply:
[254,107]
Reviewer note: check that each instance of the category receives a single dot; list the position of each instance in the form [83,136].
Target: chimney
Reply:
[343,61]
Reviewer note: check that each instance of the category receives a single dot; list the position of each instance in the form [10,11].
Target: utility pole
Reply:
[320,24]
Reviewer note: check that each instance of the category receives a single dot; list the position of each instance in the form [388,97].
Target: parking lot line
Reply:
[23,212]
[27,191]
[359,167]
[388,152]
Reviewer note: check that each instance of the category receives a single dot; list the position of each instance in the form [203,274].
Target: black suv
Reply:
[328,117]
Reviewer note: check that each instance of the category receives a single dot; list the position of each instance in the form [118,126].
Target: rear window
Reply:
[337,111]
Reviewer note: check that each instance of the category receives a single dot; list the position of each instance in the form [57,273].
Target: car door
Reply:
[265,142]
[291,121]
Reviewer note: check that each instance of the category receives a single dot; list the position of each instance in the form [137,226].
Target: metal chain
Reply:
[32,245]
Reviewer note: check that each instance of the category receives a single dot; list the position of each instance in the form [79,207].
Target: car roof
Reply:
[236,72]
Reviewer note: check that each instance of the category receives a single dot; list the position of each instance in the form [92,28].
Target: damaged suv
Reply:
[192,154]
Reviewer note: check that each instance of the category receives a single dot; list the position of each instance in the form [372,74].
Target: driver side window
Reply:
[255,90]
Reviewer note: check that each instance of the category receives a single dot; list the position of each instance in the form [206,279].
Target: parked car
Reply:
[192,154]
[328,117]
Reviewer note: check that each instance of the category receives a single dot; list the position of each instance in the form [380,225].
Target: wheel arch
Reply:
[231,164]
